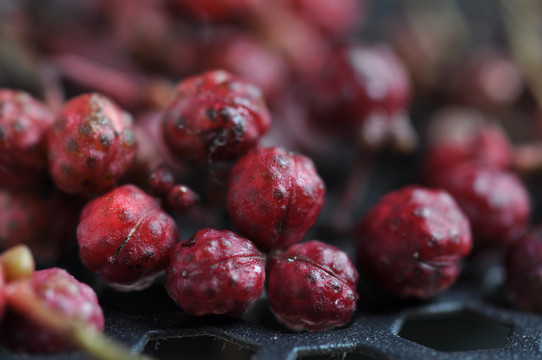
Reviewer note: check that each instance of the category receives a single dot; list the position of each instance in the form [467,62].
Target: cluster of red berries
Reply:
[86,169]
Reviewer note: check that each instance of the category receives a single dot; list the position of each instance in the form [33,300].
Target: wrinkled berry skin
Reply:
[411,243]
[364,91]
[215,115]
[61,292]
[524,271]
[312,286]
[462,134]
[215,272]
[91,145]
[24,122]
[495,201]
[274,197]
[126,238]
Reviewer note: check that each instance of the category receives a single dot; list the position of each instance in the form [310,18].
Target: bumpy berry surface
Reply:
[215,272]
[411,243]
[91,145]
[495,201]
[61,292]
[462,134]
[24,122]
[312,286]
[215,115]
[524,271]
[274,197]
[126,238]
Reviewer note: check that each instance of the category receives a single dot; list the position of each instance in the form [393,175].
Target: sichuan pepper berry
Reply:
[524,271]
[215,272]
[215,115]
[161,180]
[495,201]
[181,198]
[91,145]
[59,291]
[365,91]
[461,134]
[126,237]
[312,286]
[274,196]
[411,243]
[24,122]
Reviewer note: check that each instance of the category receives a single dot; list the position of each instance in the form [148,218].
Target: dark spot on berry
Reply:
[85,129]
[106,139]
[211,114]
[2,133]
[91,162]
[180,123]
[71,145]
[66,169]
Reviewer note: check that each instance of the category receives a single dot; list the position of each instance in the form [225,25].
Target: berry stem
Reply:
[17,263]
[22,299]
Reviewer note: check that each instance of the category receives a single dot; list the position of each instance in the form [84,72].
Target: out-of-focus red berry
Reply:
[181,198]
[461,134]
[45,223]
[274,197]
[215,272]
[24,122]
[215,115]
[126,238]
[524,271]
[495,201]
[332,17]
[161,180]
[91,145]
[218,10]
[59,291]
[364,91]
[411,243]
[312,286]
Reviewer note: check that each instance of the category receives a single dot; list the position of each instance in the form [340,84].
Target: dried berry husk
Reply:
[126,238]
[274,197]
[364,92]
[495,201]
[312,286]
[58,291]
[524,271]
[91,145]
[215,116]
[215,272]
[412,242]
[463,134]
[24,122]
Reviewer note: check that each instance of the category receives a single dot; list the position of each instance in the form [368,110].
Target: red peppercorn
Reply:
[495,201]
[161,180]
[524,271]
[91,145]
[411,243]
[215,115]
[24,122]
[59,291]
[126,238]
[463,134]
[181,198]
[365,91]
[332,17]
[215,272]
[274,197]
[312,286]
